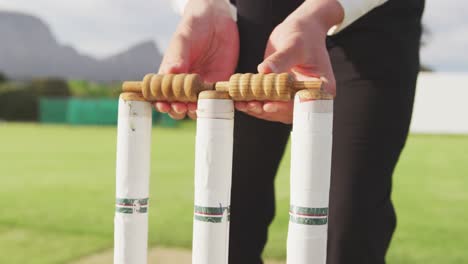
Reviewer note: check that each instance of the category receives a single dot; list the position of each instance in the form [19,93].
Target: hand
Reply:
[206,42]
[298,46]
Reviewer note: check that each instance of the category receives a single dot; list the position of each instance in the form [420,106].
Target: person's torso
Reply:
[273,12]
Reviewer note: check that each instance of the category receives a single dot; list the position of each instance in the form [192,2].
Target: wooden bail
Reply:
[168,87]
[132,96]
[241,87]
[312,94]
[214,95]
[261,87]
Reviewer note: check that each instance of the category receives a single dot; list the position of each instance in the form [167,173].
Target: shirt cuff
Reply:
[179,6]
[353,10]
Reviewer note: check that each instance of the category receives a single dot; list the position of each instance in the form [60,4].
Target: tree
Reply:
[3,78]
[426,34]
[53,87]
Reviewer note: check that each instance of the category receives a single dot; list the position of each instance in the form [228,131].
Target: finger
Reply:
[177,56]
[273,117]
[306,71]
[241,106]
[162,107]
[192,110]
[179,108]
[320,66]
[192,107]
[176,116]
[325,73]
[272,111]
[259,116]
[255,107]
[192,114]
[277,107]
[329,82]
[279,61]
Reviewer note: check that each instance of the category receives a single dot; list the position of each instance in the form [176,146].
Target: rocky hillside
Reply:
[29,49]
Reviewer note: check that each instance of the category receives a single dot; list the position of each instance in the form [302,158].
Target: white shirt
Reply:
[353,10]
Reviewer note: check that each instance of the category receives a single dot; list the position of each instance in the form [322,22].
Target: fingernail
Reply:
[272,67]
[177,110]
[169,68]
[256,110]
[176,116]
[192,114]
[241,108]
[175,66]
[171,115]
[159,108]
[270,108]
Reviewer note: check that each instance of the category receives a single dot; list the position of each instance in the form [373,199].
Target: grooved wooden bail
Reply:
[241,87]
[313,94]
[132,97]
[214,95]
[272,87]
[169,87]
[175,87]
[315,83]
[131,86]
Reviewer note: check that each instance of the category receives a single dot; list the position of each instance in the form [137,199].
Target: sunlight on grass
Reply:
[58,189]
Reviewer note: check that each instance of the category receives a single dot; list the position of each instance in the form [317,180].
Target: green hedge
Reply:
[3,78]
[85,89]
[58,101]
[18,105]
[20,100]
[50,87]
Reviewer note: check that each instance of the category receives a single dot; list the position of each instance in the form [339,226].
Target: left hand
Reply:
[298,46]
[206,42]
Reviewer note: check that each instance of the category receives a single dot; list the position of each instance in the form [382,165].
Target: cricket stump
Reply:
[213,170]
[132,180]
[311,151]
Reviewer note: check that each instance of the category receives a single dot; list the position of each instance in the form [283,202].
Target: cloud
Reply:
[105,27]
[447,24]
[446,52]
[179,5]
[102,27]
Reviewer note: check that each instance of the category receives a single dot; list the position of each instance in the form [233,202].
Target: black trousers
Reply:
[376,62]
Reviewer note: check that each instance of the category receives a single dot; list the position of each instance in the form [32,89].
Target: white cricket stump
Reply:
[213,170]
[132,180]
[311,151]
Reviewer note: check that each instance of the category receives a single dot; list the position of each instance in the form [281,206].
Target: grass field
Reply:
[57,195]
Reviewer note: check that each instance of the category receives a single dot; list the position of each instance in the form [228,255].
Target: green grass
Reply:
[57,195]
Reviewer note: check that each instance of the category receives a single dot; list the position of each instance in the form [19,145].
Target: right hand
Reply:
[206,42]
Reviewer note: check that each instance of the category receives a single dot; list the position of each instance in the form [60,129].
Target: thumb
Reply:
[177,56]
[279,61]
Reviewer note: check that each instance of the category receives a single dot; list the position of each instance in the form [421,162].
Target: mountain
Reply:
[29,49]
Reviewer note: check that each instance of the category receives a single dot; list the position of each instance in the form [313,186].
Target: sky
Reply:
[104,27]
